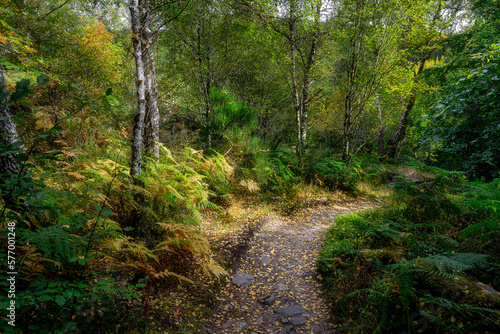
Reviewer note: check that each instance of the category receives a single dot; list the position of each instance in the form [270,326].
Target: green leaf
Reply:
[42,79]
[4,93]
[107,211]
[60,300]
[22,90]
[68,294]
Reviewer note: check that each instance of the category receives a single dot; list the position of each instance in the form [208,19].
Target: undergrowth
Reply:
[425,262]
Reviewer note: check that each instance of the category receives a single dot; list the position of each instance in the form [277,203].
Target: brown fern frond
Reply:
[166,273]
[76,175]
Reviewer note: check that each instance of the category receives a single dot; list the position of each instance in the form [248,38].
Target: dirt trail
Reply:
[275,288]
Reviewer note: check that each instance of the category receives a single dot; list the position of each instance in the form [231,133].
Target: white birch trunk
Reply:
[135,13]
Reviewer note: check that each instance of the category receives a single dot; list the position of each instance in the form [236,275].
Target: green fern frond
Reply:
[484,230]
[55,242]
[449,265]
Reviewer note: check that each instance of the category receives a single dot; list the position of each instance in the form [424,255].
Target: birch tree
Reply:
[365,37]
[8,132]
[147,118]
[300,25]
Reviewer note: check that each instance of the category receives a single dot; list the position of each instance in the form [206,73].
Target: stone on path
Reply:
[290,310]
[264,259]
[283,287]
[310,274]
[298,321]
[243,281]
[227,324]
[268,300]
[287,329]
[240,325]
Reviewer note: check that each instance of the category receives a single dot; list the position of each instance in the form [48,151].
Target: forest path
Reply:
[276,288]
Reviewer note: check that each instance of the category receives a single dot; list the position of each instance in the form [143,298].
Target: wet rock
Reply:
[283,287]
[242,281]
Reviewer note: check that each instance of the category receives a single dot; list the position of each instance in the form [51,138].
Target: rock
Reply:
[264,259]
[290,310]
[242,281]
[306,275]
[287,329]
[486,289]
[283,287]
[228,306]
[268,300]
[228,324]
[240,325]
[298,321]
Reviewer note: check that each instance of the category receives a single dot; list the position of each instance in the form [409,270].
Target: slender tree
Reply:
[366,38]
[8,132]
[300,25]
[138,9]
[420,36]
[147,119]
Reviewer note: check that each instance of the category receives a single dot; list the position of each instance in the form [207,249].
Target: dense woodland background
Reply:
[122,123]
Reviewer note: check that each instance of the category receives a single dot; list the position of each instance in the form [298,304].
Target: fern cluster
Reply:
[436,235]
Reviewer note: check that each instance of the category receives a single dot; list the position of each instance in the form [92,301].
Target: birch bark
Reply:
[136,8]
[8,134]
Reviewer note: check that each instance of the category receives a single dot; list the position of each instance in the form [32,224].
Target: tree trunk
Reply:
[295,87]
[152,114]
[8,134]
[381,131]
[9,166]
[137,8]
[400,134]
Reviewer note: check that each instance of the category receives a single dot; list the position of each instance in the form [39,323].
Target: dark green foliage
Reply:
[334,174]
[414,262]
[425,194]
[281,179]
[80,305]
[465,126]
[228,114]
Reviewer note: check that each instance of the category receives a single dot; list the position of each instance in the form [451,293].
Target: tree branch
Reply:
[163,4]
[175,17]
[53,10]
